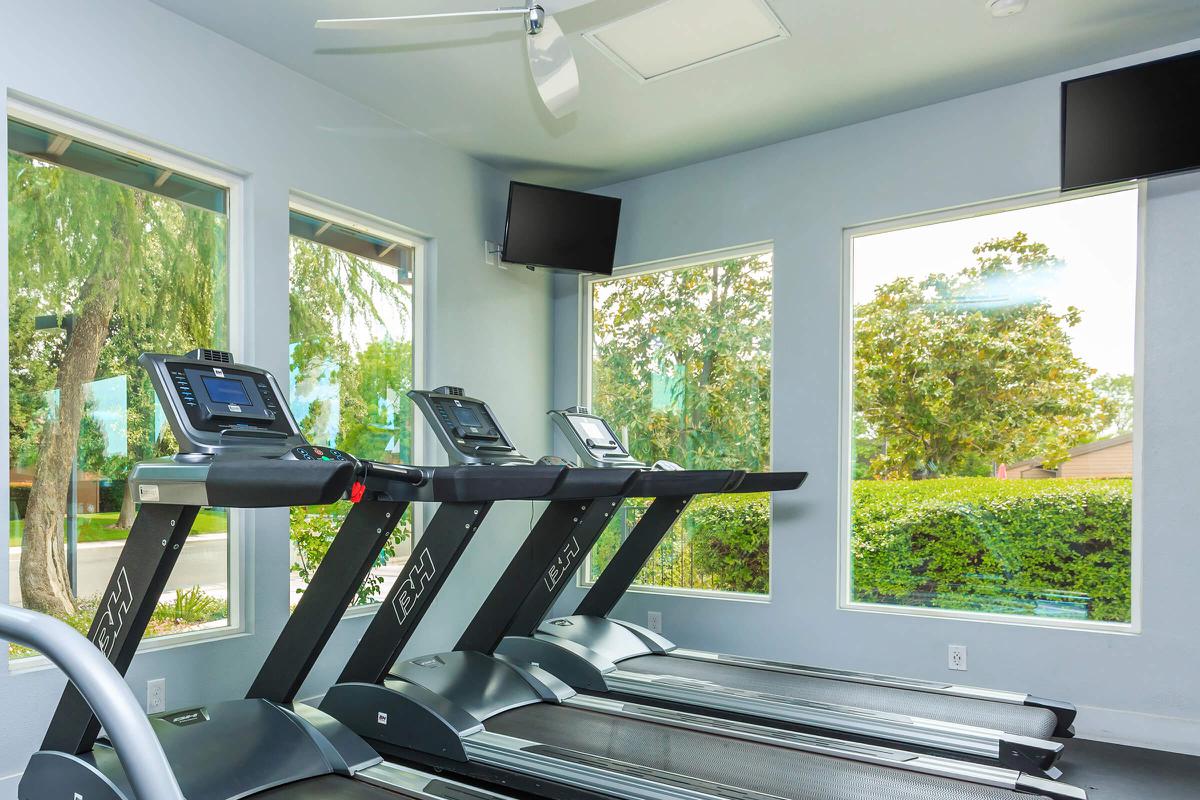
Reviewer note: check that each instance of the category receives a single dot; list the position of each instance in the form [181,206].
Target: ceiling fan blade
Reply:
[553,67]
[375,22]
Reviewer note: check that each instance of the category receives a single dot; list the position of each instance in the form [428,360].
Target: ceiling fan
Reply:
[550,59]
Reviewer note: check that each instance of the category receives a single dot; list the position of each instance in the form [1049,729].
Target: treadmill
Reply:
[626,660]
[495,720]
[240,448]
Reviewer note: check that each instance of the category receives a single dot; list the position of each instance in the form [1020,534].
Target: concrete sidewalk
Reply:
[204,562]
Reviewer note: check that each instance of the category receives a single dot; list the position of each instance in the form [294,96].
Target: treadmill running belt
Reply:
[1008,717]
[756,767]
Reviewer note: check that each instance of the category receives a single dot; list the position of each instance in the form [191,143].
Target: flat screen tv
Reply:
[560,229]
[1135,122]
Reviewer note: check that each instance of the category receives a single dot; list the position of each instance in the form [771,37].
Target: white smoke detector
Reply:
[1005,8]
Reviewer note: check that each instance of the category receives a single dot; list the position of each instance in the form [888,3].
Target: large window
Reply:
[992,414]
[109,256]
[680,366]
[352,325]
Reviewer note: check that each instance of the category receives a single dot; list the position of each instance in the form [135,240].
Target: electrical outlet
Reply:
[156,696]
[654,621]
[958,657]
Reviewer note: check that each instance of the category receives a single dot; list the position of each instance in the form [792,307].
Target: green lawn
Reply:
[99,527]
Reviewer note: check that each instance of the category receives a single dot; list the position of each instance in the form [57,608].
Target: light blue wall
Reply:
[801,194]
[135,67]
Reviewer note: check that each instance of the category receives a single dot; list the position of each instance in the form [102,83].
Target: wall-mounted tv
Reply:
[1135,122]
[560,229]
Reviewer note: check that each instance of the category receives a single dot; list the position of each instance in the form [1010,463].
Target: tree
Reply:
[1117,391]
[124,266]
[343,312]
[682,361]
[954,372]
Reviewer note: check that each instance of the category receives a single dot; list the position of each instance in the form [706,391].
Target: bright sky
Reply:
[1096,237]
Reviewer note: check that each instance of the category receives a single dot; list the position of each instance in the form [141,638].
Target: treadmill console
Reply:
[215,405]
[466,427]
[594,441]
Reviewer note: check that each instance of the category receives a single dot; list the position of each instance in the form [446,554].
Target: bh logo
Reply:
[112,616]
[410,591]
[563,564]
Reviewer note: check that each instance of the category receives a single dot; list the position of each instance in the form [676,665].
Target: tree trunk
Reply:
[45,585]
[128,509]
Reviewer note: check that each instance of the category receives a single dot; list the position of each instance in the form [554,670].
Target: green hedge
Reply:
[731,541]
[1054,547]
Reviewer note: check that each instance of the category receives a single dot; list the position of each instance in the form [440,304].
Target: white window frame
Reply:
[845,599]
[34,113]
[584,384]
[384,229]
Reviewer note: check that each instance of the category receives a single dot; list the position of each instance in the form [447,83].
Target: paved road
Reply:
[204,562]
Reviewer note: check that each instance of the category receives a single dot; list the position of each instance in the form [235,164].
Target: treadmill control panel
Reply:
[214,404]
[466,427]
[310,452]
[592,439]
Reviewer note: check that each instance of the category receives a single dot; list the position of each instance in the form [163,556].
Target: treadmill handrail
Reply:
[106,692]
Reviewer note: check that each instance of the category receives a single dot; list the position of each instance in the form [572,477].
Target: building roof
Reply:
[1075,452]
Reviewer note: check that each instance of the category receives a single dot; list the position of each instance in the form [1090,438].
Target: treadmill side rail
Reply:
[878,679]
[422,785]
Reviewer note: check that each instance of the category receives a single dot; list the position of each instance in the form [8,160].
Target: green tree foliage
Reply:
[682,367]
[1116,417]
[682,361]
[122,271]
[350,320]
[954,372]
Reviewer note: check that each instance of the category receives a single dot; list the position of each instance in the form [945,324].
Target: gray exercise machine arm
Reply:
[105,690]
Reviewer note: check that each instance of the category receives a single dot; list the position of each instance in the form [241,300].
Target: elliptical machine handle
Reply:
[133,739]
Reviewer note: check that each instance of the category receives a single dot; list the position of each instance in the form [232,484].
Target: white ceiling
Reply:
[467,83]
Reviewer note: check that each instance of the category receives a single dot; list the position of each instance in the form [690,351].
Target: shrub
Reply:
[1045,546]
[313,529]
[190,607]
[731,540]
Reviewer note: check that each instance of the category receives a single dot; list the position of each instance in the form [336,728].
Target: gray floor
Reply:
[1116,772]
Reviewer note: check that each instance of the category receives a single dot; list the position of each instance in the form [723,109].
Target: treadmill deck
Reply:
[1038,723]
[747,765]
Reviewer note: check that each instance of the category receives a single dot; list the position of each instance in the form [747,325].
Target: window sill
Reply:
[706,594]
[1089,626]
[169,642]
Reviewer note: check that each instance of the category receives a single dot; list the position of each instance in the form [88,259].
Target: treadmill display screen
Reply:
[468,417]
[226,390]
[593,429]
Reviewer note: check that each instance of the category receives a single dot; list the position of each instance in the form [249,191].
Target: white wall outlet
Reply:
[958,657]
[654,621]
[156,696]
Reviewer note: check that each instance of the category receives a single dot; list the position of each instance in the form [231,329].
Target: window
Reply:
[679,364]
[352,325]
[991,414]
[109,256]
